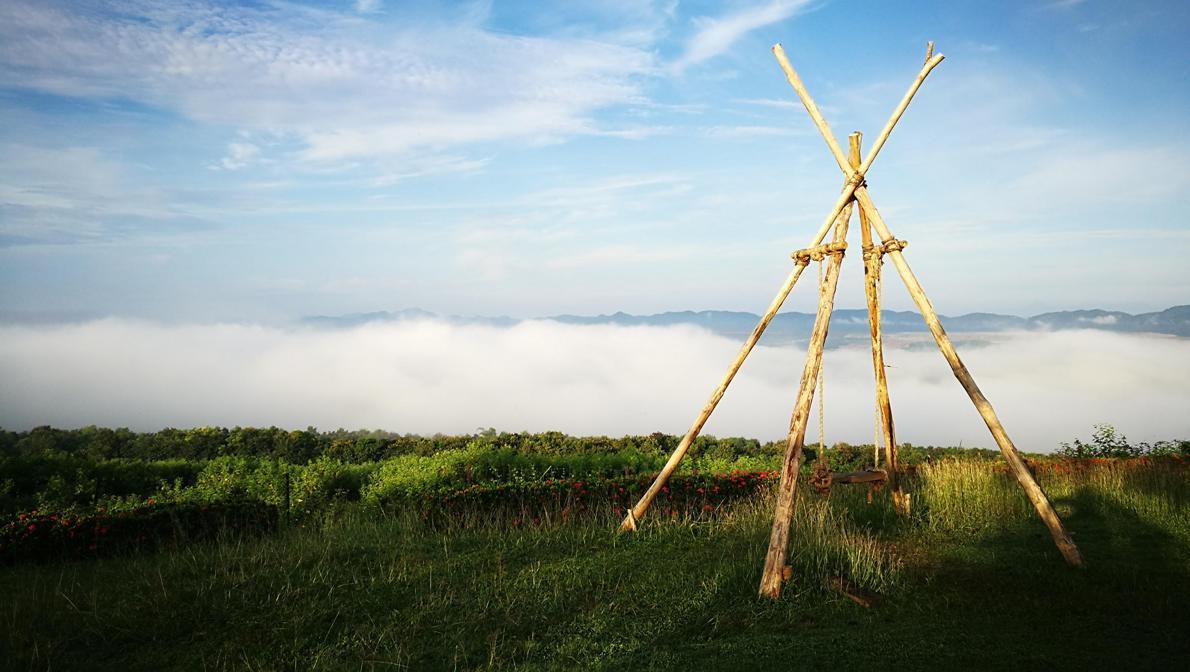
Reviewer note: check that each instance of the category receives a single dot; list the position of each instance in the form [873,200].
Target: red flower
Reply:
[32,527]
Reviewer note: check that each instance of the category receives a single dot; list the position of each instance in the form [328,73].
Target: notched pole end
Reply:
[629,523]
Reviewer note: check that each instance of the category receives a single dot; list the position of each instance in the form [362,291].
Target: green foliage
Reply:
[359,446]
[234,477]
[1107,442]
[359,590]
[42,536]
[966,496]
[61,480]
[323,481]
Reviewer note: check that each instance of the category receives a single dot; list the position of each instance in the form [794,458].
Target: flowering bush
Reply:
[41,535]
[532,502]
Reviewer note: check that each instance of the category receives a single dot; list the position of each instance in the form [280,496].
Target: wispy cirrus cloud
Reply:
[770,102]
[339,84]
[77,194]
[715,36]
[749,131]
[239,155]
[368,6]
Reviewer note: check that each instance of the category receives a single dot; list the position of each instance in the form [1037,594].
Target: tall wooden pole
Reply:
[1011,455]
[855,179]
[872,262]
[824,129]
[774,561]
[892,247]
[638,511]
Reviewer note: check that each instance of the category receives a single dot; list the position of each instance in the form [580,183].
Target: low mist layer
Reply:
[428,376]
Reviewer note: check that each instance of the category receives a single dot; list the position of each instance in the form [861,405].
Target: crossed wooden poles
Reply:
[855,191]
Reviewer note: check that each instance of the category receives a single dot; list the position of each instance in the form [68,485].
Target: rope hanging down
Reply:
[820,477]
[821,383]
[874,264]
[873,260]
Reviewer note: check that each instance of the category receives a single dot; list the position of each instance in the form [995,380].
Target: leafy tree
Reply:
[1105,442]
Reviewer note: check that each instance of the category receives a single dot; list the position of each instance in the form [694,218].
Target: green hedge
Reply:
[44,536]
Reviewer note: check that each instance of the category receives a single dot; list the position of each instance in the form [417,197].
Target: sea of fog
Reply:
[429,376]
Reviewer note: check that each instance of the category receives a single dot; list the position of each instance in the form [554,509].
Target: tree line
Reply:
[352,446]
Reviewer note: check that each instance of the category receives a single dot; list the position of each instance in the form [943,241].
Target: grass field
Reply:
[970,580]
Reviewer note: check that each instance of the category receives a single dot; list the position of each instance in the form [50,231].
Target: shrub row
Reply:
[302,446]
[559,499]
[43,536]
[61,482]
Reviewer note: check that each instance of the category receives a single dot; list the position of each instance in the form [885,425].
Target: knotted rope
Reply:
[891,245]
[820,477]
[818,253]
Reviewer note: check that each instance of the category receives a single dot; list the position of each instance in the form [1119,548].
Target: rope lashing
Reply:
[818,253]
[857,179]
[820,478]
[890,245]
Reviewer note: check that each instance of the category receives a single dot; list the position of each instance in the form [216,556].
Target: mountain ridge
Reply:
[792,325]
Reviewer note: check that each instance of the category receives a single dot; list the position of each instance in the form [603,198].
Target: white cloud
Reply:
[430,377]
[749,131]
[615,255]
[716,35]
[239,155]
[341,86]
[368,6]
[770,102]
[72,194]
[1092,176]
[391,172]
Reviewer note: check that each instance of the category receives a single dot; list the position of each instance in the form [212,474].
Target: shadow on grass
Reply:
[1003,600]
[362,594]
[1008,598]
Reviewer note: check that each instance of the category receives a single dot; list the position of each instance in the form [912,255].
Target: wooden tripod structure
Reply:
[855,195]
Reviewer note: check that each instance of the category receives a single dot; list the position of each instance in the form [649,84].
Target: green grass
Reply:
[969,581]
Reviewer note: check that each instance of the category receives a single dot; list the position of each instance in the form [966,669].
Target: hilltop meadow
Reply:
[270,549]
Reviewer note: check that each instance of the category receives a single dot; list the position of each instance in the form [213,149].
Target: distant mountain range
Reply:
[793,326]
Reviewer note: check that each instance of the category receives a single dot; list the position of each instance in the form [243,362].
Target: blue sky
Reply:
[199,161]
